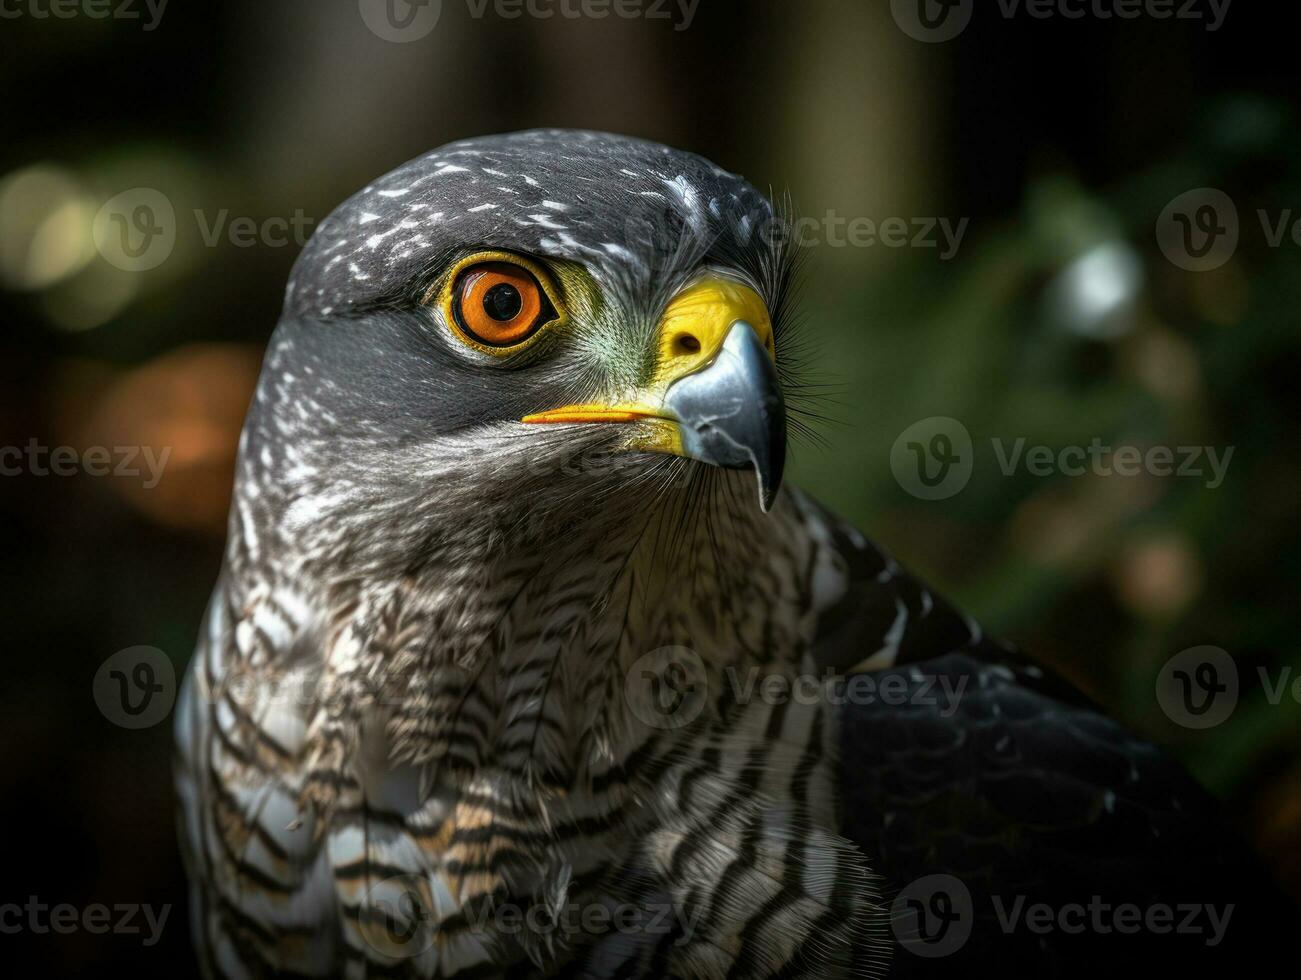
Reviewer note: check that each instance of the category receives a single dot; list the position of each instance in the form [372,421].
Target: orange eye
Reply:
[498,304]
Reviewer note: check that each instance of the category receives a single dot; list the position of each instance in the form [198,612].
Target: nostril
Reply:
[685,343]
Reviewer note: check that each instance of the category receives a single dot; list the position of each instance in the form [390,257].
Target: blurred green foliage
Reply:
[1104,577]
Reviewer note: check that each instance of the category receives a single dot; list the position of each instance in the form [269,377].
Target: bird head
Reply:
[465,336]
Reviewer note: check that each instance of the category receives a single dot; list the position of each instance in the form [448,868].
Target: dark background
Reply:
[1055,138]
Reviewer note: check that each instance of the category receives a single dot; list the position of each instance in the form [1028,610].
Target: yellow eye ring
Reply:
[498,303]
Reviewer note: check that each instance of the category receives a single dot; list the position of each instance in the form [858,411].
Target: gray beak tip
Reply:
[769,465]
[732,413]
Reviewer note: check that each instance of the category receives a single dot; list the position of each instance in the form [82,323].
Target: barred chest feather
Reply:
[576,774]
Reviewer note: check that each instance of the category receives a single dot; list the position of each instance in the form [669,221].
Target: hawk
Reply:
[523,662]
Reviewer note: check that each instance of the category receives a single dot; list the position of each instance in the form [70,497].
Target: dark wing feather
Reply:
[1023,791]
[1024,797]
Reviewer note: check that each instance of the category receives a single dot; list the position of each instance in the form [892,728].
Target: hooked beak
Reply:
[731,414]
[715,396]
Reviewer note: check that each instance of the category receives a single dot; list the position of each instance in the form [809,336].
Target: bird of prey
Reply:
[522,661]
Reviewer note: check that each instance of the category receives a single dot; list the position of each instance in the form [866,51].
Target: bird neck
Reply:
[599,707]
[547,667]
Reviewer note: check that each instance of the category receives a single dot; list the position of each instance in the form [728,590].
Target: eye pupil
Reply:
[503,302]
[497,305]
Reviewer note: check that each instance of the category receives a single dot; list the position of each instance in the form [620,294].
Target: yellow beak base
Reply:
[714,393]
